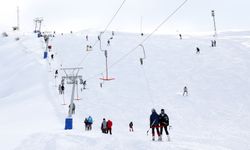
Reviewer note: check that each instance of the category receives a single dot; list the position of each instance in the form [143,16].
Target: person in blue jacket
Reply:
[90,122]
[154,124]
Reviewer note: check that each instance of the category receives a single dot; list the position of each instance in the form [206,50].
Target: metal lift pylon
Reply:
[106,77]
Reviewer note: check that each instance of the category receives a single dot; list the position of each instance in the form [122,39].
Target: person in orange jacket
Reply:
[109,126]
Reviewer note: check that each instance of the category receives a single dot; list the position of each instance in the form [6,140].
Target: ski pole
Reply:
[151,126]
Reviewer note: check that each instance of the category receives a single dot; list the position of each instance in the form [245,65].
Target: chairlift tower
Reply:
[213,15]
[38,22]
[71,77]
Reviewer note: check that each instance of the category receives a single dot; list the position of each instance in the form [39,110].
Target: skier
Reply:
[104,126]
[87,48]
[197,50]
[56,73]
[90,122]
[214,43]
[180,36]
[62,88]
[154,124]
[86,124]
[131,127]
[99,38]
[84,84]
[108,43]
[73,108]
[109,126]
[87,37]
[113,33]
[185,91]
[164,123]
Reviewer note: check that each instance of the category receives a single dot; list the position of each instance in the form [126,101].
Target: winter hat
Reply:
[162,110]
[153,110]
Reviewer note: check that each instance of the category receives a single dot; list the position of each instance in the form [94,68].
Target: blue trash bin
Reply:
[45,55]
[68,123]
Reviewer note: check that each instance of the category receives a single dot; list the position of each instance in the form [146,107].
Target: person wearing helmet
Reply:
[154,124]
[164,122]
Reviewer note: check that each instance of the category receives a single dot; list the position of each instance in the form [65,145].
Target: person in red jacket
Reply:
[109,126]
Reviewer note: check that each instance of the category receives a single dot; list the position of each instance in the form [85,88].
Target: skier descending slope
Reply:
[164,123]
[154,124]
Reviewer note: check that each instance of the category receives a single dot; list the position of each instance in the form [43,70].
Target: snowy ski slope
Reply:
[215,115]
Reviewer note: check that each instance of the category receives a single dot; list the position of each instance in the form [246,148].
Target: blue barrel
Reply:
[68,123]
[45,55]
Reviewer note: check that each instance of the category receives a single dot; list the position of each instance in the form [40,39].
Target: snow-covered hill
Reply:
[215,115]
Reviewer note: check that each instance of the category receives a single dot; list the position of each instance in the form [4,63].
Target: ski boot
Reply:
[153,138]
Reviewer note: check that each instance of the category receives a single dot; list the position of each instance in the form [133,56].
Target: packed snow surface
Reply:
[214,116]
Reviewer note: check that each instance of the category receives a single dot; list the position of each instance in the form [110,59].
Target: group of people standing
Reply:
[88,123]
[159,122]
[106,126]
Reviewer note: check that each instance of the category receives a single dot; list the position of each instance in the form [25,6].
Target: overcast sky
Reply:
[75,15]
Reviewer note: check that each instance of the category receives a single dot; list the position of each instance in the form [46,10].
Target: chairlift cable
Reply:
[143,41]
[112,19]
[133,49]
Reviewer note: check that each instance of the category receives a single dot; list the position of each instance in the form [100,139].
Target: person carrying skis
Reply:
[131,127]
[185,91]
[109,126]
[164,123]
[154,124]
[90,122]
[104,126]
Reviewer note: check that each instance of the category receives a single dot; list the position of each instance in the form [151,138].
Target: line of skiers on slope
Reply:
[106,126]
[159,122]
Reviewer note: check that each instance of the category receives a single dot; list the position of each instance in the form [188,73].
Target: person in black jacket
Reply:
[154,124]
[131,127]
[164,123]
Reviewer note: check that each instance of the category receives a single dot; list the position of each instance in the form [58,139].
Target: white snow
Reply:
[215,115]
